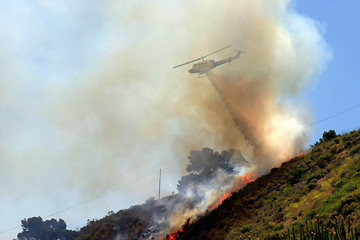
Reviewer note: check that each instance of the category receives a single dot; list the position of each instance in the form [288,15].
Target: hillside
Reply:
[323,184]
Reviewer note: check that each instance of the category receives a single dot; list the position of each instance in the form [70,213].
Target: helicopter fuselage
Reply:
[207,65]
[202,67]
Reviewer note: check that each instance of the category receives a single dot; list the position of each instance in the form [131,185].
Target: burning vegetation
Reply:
[240,182]
[176,234]
[211,178]
[265,208]
[245,106]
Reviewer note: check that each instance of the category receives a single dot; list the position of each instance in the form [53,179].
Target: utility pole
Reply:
[159,182]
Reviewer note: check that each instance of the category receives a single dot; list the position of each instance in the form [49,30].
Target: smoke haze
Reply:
[89,98]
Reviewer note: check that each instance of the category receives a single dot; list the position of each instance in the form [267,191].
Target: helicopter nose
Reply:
[190,71]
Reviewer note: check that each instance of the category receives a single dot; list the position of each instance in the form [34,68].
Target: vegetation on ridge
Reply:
[318,191]
[323,183]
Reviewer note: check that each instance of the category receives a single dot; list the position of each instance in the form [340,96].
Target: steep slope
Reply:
[137,222]
[322,183]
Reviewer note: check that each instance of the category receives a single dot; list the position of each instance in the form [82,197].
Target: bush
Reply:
[278,227]
[350,187]
[278,216]
[324,159]
[273,236]
[311,214]
[354,150]
[316,175]
[312,184]
[295,174]
[348,208]
[334,149]
[357,174]
[245,228]
[331,134]
[337,183]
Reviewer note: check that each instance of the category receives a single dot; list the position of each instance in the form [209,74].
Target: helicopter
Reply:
[206,65]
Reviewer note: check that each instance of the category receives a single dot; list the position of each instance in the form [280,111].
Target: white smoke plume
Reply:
[89,97]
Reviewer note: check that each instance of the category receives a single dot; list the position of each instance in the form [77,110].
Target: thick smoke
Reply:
[209,174]
[207,169]
[138,104]
[284,53]
[100,103]
[273,133]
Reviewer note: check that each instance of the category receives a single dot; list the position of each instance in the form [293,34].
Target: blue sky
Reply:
[338,86]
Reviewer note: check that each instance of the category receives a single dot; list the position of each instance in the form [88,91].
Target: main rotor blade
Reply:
[187,63]
[218,50]
[202,57]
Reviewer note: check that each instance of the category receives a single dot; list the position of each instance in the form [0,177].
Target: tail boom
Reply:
[218,63]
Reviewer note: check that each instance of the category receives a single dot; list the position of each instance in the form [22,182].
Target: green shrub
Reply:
[355,150]
[245,228]
[311,214]
[272,236]
[312,184]
[337,183]
[295,174]
[278,216]
[334,149]
[319,173]
[356,175]
[324,160]
[348,208]
[278,227]
[350,187]
[331,134]
[325,157]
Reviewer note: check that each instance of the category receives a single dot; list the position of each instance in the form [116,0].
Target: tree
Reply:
[36,229]
[206,161]
[204,164]
[329,135]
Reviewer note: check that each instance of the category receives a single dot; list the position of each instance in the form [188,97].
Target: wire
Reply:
[100,195]
[89,200]
[125,185]
[9,229]
[335,115]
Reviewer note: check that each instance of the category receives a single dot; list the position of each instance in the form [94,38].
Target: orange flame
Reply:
[240,182]
[174,235]
[300,154]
